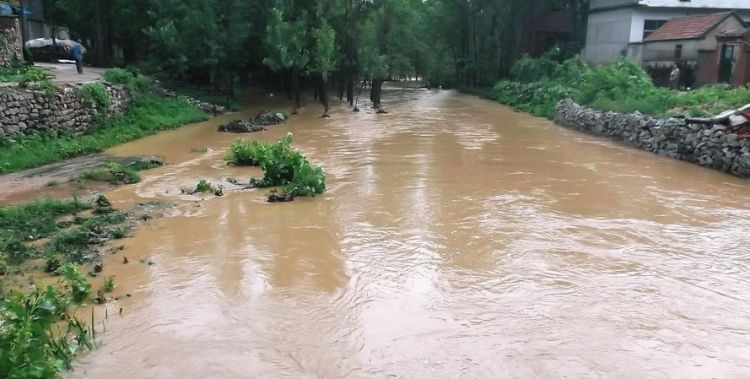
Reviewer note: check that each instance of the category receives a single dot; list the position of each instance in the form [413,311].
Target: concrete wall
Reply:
[596,4]
[604,46]
[725,4]
[23,111]
[10,41]
[608,35]
[713,146]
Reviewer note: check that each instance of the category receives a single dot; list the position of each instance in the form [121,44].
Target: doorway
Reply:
[726,63]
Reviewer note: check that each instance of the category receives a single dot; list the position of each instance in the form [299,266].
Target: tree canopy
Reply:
[315,43]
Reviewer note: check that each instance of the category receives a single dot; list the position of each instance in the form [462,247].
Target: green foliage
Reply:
[204,187]
[28,222]
[324,49]
[147,114]
[75,282]
[71,234]
[95,94]
[246,153]
[285,167]
[120,173]
[129,79]
[23,74]
[29,348]
[109,284]
[113,173]
[285,42]
[619,87]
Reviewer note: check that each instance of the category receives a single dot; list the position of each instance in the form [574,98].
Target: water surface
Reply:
[458,239]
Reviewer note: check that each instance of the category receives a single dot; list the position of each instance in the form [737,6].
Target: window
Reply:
[649,26]
[677,52]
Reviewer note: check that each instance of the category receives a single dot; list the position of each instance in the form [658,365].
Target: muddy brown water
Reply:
[458,239]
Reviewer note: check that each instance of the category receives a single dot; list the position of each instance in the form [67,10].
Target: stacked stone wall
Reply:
[10,42]
[719,146]
[64,110]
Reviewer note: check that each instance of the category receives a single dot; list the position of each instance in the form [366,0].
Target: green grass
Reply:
[40,336]
[71,234]
[94,94]
[23,74]
[209,96]
[147,114]
[119,173]
[134,81]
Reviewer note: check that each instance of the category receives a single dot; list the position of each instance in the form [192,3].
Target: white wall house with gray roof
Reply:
[613,25]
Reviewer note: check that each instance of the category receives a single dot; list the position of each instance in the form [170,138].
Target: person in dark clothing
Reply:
[78,56]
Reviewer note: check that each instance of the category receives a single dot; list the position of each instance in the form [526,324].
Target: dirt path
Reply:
[55,179]
[66,73]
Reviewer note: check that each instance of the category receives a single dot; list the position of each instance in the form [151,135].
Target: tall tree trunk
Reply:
[377,85]
[341,83]
[350,85]
[295,89]
[324,96]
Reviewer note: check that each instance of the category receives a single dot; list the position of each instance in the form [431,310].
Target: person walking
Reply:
[674,78]
[78,56]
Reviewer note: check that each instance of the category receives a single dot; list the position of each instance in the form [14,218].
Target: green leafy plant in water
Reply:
[113,173]
[76,282]
[246,153]
[286,167]
[204,187]
[109,284]
[29,348]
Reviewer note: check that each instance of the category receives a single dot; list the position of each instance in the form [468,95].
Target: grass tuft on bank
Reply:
[147,114]
[538,84]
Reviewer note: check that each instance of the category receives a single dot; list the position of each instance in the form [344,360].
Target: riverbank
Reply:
[718,144]
[41,123]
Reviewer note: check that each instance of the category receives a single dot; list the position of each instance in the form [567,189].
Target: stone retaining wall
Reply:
[10,43]
[714,146]
[24,111]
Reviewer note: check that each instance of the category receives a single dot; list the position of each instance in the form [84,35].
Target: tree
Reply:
[286,48]
[323,58]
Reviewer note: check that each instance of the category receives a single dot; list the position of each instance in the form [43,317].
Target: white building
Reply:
[613,25]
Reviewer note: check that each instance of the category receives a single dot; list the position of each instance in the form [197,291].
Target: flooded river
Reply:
[458,239]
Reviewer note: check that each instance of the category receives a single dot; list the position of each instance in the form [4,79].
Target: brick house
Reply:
[614,25]
[729,60]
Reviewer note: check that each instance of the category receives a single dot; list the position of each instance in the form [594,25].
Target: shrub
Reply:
[95,94]
[29,348]
[246,153]
[113,173]
[204,187]
[286,167]
[133,81]
[75,282]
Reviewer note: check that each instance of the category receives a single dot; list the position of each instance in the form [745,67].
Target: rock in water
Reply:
[268,118]
[238,126]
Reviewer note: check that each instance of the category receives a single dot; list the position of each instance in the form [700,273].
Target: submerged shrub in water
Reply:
[282,166]
[79,286]
[246,153]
